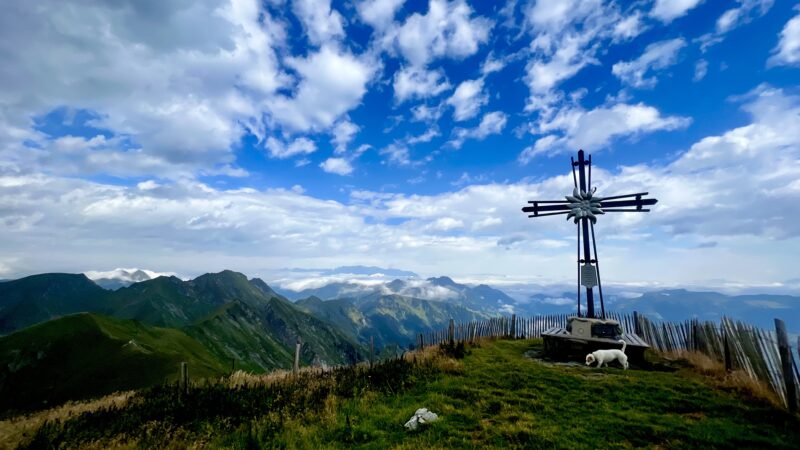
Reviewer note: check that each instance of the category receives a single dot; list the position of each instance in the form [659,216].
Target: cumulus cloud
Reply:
[446,29]
[321,22]
[491,123]
[184,226]
[378,13]
[339,166]
[787,52]
[700,70]
[576,127]
[563,34]
[629,27]
[747,11]
[280,150]
[669,10]
[657,56]
[397,154]
[184,83]
[411,82]
[343,134]
[467,99]
[333,81]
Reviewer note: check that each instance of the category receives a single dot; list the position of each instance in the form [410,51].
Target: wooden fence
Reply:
[738,345]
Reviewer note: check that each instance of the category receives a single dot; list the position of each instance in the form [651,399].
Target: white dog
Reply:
[606,356]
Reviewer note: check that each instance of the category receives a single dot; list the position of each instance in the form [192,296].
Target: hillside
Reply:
[389,319]
[87,355]
[170,301]
[235,317]
[38,298]
[497,396]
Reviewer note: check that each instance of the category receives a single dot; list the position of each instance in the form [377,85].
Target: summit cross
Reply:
[584,207]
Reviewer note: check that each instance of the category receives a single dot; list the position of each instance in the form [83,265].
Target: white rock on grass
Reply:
[421,416]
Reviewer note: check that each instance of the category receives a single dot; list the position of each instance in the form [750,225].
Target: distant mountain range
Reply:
[481,298]
[680,304]
[135,334]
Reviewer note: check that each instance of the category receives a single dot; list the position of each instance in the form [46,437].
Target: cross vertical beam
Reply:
[587,256]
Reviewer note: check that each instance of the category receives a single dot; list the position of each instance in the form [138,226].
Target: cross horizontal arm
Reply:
[638,203]
[627,210]
[549,214]
[614,197]
[533,202]
[535,209]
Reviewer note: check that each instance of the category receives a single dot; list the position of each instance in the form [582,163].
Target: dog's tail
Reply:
[624,344]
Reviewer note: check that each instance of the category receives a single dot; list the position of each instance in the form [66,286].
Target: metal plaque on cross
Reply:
[588,276]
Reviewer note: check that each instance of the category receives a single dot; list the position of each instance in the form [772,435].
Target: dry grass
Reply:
[431,355]
[738,381]
[15,430]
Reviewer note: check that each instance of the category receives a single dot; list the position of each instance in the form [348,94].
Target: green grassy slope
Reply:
[504,399]
[321,342]
[38,298]
[496,397]
[236,331]
[501,399]
[86,355]
[390,319]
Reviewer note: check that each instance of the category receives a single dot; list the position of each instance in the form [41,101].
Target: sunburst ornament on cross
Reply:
[584,207]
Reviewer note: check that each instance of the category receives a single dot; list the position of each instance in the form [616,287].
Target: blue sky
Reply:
[192,136]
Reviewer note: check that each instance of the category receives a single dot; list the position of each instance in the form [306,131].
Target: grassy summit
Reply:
[493,397]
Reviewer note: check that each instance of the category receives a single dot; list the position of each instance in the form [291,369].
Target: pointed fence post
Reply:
[451,332]
[636,327]
[296,368]
[185,377]
[513,326]
[786,365]
[726,350]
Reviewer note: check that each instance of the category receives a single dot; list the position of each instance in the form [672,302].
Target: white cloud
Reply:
[299,146]
[657,56]
[447,29]
[491,123]
[411,82]
[594,129]
[190,228]
[629,27]
[397,154]
[491,65]
[467,99]
[566,37]
[427,136]
[343,133]
[321,22]
[378,13]
[446,224]
[333,82]
[184,84]
[425,113]
[700,70]
[787,52]
[733,18]
[339,166]
[125,274]
[669,10]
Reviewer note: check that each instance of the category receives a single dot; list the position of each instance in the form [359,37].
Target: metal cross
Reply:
[584,207]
